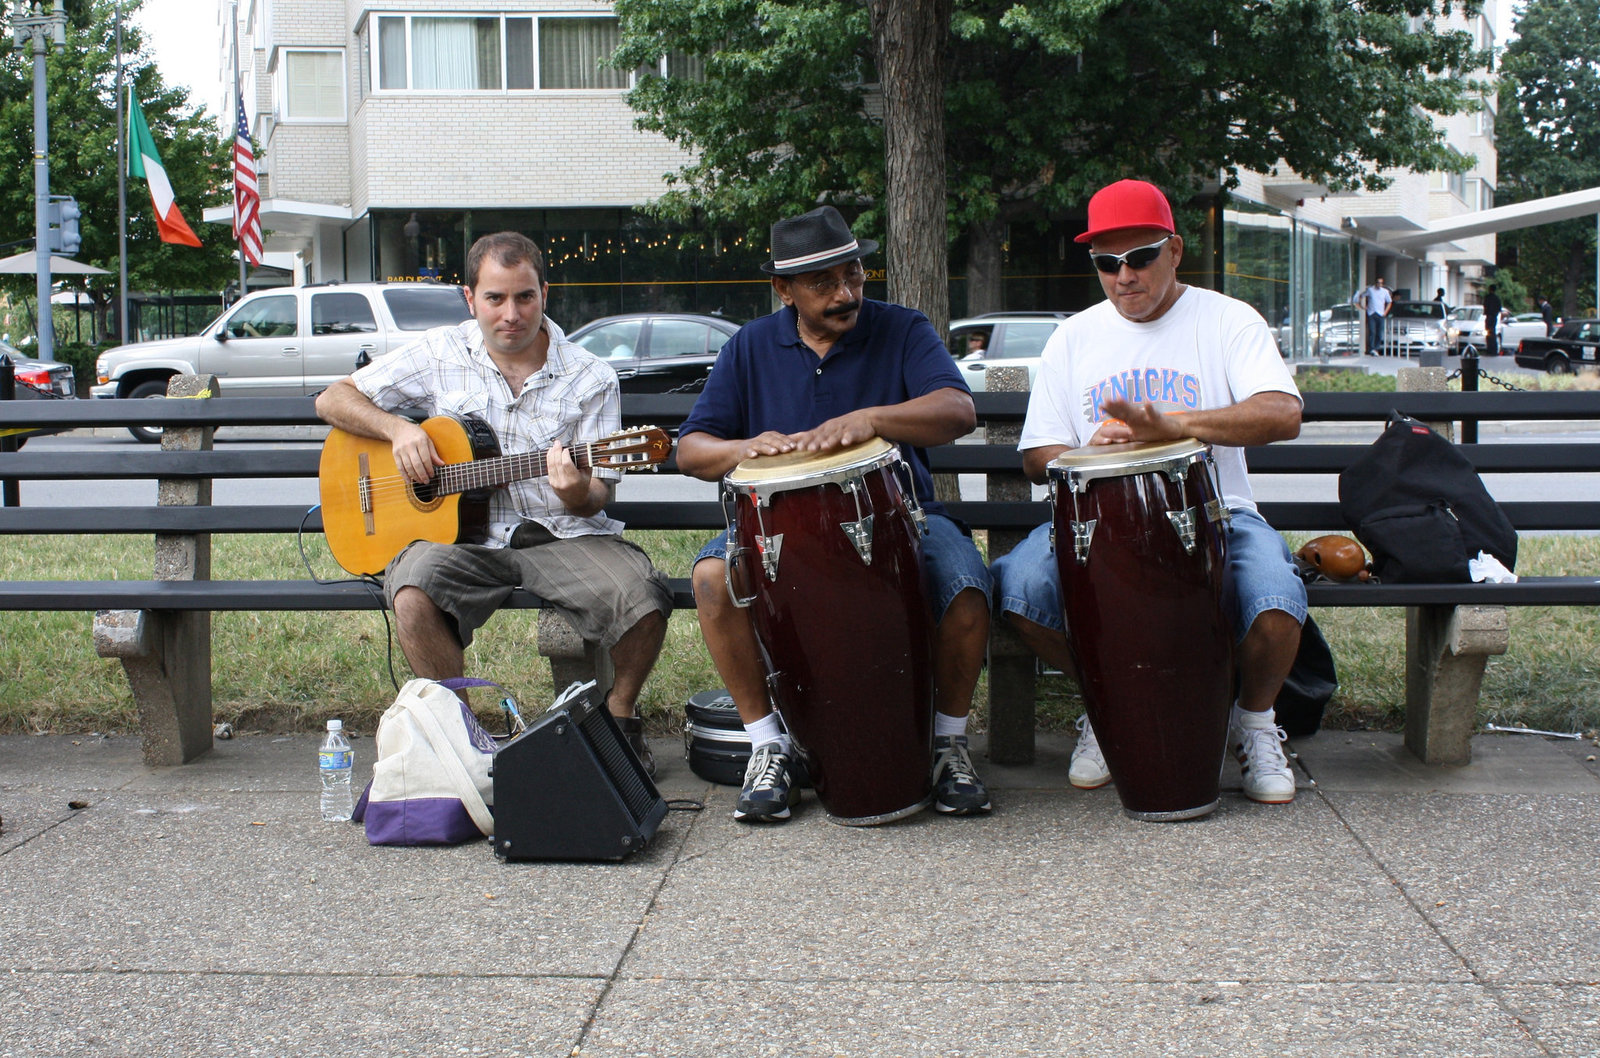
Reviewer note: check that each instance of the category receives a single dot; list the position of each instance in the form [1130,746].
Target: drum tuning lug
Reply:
[1082,535]
[1183,523]
[860,534]
[770,547]
[1218,513]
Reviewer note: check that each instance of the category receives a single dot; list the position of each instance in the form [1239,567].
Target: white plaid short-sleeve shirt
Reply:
[573,398]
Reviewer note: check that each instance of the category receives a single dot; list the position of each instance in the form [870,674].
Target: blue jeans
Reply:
[1261,576]
[950,563]
[1374,333]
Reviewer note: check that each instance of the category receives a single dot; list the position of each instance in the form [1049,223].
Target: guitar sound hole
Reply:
[423,492]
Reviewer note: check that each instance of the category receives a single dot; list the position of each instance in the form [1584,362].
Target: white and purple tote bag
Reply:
[430,784]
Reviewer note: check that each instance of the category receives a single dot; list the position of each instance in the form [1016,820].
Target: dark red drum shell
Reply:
[1151,639]
[849,644]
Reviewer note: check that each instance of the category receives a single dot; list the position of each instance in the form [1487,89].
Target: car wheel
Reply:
[149,435]
[1558,365]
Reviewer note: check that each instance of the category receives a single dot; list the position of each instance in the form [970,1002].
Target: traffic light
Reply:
[64,235]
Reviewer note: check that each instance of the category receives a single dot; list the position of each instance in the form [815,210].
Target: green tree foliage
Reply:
[1045,101]
[83,159]
[1548,133]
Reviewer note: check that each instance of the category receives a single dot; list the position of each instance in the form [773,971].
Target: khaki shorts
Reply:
[603,585]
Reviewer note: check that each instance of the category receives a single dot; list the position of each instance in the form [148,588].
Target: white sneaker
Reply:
[1088,771]
[1267,777]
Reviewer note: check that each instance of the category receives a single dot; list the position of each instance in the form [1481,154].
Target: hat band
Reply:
[821,255]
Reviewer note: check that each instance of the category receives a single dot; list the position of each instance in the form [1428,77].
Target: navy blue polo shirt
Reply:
[765,378]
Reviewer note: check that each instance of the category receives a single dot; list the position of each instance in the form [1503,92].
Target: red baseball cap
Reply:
[1128,204]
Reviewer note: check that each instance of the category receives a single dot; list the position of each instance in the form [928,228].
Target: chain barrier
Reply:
[1484,375]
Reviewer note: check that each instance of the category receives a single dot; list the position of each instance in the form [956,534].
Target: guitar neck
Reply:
[496,471]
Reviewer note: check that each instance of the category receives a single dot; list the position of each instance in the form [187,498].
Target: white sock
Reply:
[945,724]
[768,729]
[1263,721]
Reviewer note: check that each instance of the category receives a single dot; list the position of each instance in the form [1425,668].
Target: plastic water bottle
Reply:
[335,760]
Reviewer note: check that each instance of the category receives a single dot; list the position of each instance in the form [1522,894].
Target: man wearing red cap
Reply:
[1159,360]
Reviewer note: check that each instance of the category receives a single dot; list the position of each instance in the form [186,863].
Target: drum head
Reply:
[1130,454]
[803,466]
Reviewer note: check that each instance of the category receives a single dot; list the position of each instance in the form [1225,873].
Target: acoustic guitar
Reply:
[370,511]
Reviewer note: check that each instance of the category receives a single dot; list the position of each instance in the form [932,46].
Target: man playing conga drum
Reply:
[828,370]
[1158,361]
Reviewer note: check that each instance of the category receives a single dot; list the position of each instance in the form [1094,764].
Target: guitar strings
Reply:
[463,477]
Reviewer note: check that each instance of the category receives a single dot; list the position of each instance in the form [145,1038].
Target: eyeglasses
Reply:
[1136,258]
[826,286]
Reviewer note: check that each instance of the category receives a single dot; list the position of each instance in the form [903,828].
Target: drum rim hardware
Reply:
[850,477]
[1174,460]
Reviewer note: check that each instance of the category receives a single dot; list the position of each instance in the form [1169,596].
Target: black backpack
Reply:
[1418,506]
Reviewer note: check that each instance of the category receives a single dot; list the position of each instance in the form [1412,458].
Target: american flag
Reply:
[246,195]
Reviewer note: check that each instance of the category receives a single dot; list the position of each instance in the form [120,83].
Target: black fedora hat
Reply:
[813,241]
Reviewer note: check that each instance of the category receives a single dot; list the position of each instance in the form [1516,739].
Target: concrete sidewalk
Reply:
[1391,910]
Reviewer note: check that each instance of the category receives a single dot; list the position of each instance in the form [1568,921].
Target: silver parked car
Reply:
[1001,339]
[283,342]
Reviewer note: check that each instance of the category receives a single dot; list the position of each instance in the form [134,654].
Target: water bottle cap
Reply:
[335,725]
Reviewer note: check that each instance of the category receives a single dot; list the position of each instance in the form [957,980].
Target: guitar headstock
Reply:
[644,446]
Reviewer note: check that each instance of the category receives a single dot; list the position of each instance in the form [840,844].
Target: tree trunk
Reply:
[984,293]
[908,38]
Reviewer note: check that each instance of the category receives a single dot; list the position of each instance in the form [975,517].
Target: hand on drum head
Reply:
[1135,422]
[771,443]
[842,432]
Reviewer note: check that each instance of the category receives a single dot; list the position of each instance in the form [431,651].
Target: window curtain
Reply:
[570,50]
[391,53]
[445,54]
[519,53]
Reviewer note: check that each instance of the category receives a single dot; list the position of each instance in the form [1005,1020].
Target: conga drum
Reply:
[1140,540]
[824,551]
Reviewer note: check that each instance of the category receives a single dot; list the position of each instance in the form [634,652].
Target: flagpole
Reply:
[238,98]
[122,193]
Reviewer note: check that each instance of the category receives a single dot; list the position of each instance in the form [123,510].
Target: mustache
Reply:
[843,310]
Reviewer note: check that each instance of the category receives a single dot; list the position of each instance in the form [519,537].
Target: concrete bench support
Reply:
[1447,648]
[572,660]
[167,655]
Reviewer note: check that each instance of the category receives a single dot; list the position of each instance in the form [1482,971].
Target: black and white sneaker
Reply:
[768,792]
[957,790]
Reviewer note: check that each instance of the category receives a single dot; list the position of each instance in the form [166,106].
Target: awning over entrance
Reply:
[1501,218]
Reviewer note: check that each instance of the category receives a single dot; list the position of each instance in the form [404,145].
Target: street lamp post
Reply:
[32,27]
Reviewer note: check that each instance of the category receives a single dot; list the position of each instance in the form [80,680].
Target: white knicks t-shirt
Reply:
[1207,351]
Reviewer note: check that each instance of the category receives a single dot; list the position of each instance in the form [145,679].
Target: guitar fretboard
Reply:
[502,470]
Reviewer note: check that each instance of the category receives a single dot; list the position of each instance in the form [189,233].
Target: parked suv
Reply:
[1412,327]
[1011,339]
[283,342]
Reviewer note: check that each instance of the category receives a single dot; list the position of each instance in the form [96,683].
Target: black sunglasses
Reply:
[1136,258]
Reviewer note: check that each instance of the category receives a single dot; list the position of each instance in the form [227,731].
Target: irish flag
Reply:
[145,161]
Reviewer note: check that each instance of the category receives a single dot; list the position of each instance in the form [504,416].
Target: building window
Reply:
[570,50]
[311,86]
[455,54]
[1455,183]
[486,53]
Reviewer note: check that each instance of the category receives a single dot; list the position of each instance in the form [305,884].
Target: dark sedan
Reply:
[654,352]
[1575,344]
[37,380]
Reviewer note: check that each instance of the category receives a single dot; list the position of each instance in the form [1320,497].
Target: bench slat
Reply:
[264,595]
[225,595]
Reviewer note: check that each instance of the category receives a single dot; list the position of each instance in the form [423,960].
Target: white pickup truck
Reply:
[283,342]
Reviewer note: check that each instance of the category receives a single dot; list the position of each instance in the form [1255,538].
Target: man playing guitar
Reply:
[512,368]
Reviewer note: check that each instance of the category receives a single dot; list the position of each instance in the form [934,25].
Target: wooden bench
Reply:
[159,628]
